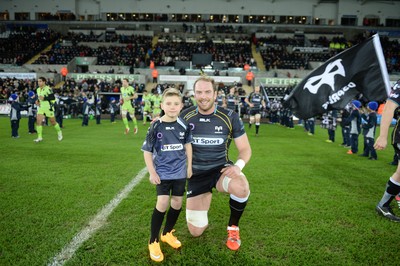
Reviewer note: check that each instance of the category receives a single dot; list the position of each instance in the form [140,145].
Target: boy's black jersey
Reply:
[166,141]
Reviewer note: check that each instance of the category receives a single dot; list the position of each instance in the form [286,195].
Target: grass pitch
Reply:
[310,203]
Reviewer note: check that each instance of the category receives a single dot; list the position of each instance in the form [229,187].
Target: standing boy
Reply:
[59,110]
[85,112]
[32,110]
[168,157]
[97,111]
[369,128]
[15,115]
[113,109]
[355,126]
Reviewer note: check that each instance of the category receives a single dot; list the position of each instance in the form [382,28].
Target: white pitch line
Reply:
[96,223]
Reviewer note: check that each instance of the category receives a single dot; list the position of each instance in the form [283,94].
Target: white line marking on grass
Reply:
[96,223]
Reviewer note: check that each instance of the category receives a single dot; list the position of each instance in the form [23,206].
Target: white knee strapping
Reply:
[197,218]
[394,181]
[124,112]
[241,200]
[225,183]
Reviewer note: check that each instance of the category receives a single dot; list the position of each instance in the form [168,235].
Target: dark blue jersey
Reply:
[370,126]
[231,101]
[212,135]
[113,108]
[15,112]
[256,99]
[166,140]
[220,100]
[32,108]
[355,122]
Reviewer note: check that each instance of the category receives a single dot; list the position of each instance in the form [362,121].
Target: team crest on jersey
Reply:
[218,129]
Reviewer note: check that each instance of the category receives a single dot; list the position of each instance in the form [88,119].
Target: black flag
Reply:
[359,69]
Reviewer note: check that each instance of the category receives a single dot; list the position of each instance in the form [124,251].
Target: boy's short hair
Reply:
[171,92]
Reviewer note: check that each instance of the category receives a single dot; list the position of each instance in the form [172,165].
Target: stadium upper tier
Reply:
[284,53]
[234,50]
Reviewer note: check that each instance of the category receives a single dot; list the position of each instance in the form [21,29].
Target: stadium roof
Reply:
[336,1]
[362,1]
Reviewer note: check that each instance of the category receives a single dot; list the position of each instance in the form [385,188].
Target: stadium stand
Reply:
[274,50]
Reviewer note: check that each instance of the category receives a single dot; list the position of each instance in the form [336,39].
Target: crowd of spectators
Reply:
[21,87]
[23,43]
[212,29]
[391,52]
[76,37]
[68,47]
[137,51]
[238,54]
[278,53]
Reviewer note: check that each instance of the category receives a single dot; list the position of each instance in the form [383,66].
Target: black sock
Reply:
[237,209]
[249,125]
[172,217]
[156,222]
[257,127]
[391,191]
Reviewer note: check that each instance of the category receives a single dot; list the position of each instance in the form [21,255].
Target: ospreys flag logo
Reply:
[360,69]
[328,77]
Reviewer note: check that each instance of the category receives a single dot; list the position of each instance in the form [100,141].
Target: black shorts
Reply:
[204,181]
[254,112]
[174,187]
